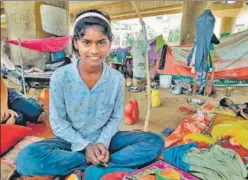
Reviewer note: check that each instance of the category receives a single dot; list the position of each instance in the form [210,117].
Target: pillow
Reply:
[10,135]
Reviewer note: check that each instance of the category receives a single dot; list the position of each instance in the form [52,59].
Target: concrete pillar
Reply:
[4,33]
[24,21]
[227,25]
[191,10]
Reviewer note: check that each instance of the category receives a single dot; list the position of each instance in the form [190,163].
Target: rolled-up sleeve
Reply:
[115,121]
[58,121]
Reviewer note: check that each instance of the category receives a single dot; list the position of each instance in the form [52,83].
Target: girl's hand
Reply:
[90,155]
[11,121]
[104,153]
[8,114]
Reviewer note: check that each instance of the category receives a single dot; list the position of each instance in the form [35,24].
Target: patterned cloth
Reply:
[190,56]
[140,48]
[204,32]
[8,165]
[82,116]
[200,56]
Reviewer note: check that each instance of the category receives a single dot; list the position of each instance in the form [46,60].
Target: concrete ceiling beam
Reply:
[120,10]
[221,10]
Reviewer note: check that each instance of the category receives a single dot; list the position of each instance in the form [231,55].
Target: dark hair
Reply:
[82,25]
[223,102]
[245,110]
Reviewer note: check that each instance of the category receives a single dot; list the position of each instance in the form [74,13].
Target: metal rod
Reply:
[23,78]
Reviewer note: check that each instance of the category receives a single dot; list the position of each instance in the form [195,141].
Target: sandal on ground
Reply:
[186,110]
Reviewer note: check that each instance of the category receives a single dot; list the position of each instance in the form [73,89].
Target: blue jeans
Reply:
[27,109]
[54,156]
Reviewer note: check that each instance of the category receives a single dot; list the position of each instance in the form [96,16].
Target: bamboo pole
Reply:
[148,111]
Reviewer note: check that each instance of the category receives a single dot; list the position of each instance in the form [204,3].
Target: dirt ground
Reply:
[167,115]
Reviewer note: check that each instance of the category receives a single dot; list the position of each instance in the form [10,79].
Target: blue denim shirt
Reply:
[82,116]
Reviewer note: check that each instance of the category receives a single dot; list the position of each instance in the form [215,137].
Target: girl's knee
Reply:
[157,143]
[26,160]
[155,138]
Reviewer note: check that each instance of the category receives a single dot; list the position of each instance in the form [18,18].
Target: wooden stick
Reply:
[148,111]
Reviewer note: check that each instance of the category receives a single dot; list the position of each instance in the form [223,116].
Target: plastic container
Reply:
[131,112]
[155,98]
[165,81]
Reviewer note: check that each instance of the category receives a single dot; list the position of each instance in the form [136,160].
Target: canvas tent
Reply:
[230,61]
[36,79]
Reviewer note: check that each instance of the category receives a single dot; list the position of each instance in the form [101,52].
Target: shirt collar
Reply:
[105,72]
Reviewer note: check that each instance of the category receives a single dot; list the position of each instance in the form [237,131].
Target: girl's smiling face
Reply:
[93,47]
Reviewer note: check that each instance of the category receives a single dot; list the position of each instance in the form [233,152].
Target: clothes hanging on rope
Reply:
[163,57]
[204,32]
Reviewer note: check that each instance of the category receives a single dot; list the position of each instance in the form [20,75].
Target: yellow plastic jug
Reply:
[155,98]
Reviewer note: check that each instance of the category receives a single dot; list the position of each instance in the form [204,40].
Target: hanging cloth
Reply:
[163,58]
[140,48]
[52,44]
[204,32]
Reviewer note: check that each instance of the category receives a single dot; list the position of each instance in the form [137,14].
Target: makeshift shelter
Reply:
[230,61]
[155,45]
[41,79]
[51,44]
